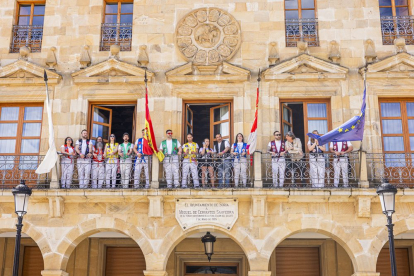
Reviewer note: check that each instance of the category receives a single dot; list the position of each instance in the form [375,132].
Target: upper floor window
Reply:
[28,30]
[117,25]
[396,21]
[301,23]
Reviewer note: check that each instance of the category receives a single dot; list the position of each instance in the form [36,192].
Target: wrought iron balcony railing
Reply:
[397,27]
[29,36]
[302,30]
[13,168]
[116,34]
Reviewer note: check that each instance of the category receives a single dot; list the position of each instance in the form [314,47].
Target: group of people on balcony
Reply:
[288,157]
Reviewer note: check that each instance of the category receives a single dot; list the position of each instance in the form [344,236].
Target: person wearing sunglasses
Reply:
[125,152]
[190,161]
[277,149]
[171,149]
[111,157]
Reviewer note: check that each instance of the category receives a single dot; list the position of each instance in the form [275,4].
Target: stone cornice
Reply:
[399,66]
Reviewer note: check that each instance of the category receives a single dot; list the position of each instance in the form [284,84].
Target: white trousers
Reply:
[126,166]
[317,170]
[98,174]
[171,166]
[340,165]
[139,165]
[84,172]
[278,171]
[110,170]
[67,174]
[240,168]
[192,167]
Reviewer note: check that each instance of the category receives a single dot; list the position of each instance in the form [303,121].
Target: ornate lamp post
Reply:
[386,193]
[208,240]
[21,199]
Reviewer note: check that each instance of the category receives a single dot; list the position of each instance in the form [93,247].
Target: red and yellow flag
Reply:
[151,147]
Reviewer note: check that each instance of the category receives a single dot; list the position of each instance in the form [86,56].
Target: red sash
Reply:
[67,151]
[98,152]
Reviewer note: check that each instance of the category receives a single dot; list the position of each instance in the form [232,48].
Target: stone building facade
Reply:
[201,57]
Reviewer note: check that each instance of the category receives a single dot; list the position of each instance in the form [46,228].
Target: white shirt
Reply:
[84,146]
[277,143]
[339,144]
[226,145]
[169,146]
[70,150]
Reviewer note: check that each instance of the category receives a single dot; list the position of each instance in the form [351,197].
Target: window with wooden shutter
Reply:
[402,259]
[125,261]
[297,261]
[32,261]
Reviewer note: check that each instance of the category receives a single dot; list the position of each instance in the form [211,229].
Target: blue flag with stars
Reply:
[352,130]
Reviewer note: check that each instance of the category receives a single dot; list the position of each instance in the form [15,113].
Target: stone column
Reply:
[54,182]
[257,163]
[366,274]
[363,178]
[155,273]
[259,273]
[54,273]
[155,183]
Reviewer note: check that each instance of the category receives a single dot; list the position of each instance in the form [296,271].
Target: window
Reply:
[301,23]
[28,30]
[396,21]
[397,128]
[402,259]
[124,261]
[297,261]
[117,25]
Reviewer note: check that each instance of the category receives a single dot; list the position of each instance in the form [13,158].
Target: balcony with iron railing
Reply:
[116,34]
[302,30]
[26,35]
[393,27]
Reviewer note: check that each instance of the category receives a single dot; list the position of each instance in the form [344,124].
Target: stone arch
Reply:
[257,262]
[9,225]
[319,225]
[84,229]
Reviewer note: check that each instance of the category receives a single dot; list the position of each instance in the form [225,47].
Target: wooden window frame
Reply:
[300,9]
[32,4]
[20,122]
[118,14]
[393,7]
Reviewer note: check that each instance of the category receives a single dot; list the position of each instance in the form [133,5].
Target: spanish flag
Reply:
[149,135]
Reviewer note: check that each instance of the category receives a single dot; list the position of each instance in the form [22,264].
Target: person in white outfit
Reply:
[340,163]
[316,162]
[141,161]
[190,162]
[67,163]
[84,149]
[111,160]
[239,151]
[172,151]
[125,152]
[98,165]
[277,149]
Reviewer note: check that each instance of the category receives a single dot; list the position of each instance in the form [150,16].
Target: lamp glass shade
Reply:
[387,203]
[20,203]
[208,247]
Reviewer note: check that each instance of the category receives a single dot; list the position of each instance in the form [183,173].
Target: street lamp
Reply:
[21,199]
[386,193]
[208,241]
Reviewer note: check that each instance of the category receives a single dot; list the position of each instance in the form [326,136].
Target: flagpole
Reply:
[360,147]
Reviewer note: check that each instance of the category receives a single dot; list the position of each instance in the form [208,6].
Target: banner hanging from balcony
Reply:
[149,131]
[252,141]
[352,130]
[51,156]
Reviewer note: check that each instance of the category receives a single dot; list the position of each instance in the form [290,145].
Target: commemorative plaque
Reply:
[218,212]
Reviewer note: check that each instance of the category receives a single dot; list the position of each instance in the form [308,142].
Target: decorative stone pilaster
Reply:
[155,273]
[155,183]
[54,273]
[363,177]
[259,206]
[56,207]
[257,163]
[259,273]
[364,207]
[54,181]
[156,206]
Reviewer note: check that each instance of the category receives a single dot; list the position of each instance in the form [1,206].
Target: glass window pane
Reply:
[221,113]
[410,109]
[25,9]
[411,126]
[8,130]
[308,14]
[403,11]
[39,10]
[7,146]
[30,146]
[99,130]
[126,18]
[31,129]
[308,4]
[385,12]
[24,20]
[111,8]
[101,116]
[390,110]
[292,15]
[320,125]
[127,7]
[317,110]
[395,160]
[223,129]
[38,20]
[110,19]
[393,144]
[286,128]
[9,113]
[33,113]
[391,126]
[385,2]
[291,4]
[412,143]
[286,115]
[401,2]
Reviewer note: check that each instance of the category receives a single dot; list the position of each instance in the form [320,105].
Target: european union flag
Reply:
[352,130]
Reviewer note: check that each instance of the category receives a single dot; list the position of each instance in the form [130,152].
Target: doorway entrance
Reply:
[206,119]
[117,119]
[302,117]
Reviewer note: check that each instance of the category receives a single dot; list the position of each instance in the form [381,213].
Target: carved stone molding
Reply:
[208,36]
[399,66]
